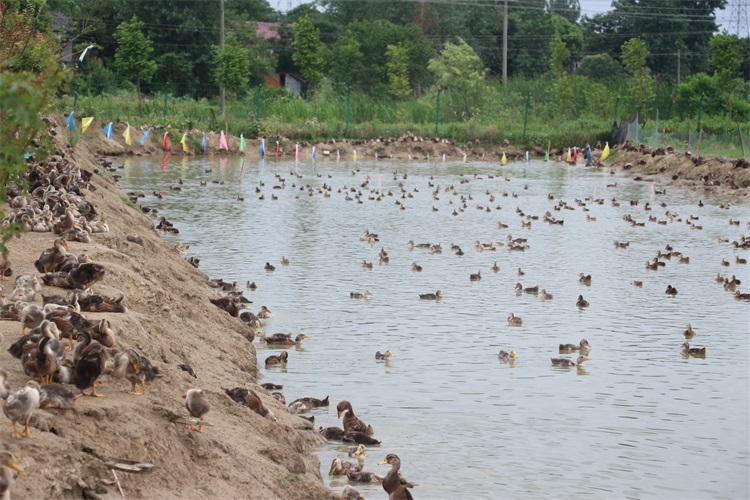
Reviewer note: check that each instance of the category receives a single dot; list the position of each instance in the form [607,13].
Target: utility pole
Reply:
[678,66]
[505,44]
[222,94]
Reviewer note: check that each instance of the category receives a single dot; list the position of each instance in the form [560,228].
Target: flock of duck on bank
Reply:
[237,305]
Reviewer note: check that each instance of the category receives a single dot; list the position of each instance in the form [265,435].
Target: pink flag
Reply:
[223,142]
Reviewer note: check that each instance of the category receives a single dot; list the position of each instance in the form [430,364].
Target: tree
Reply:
[232,68]
[459,68]
[634,55]
[398,71]
[726,60]
[601,68]
[309,53]
[558,66]
[347,66]
[133,55]
[568,9]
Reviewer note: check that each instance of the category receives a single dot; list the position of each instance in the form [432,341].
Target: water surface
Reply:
[640,420]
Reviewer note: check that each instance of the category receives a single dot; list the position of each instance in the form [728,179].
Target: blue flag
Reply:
[262,148]
[71,121]
[313,153]
[108,130]
[143,139]
[203,143]
[589,159]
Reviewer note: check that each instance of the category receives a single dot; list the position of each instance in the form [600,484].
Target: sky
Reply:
[588,7]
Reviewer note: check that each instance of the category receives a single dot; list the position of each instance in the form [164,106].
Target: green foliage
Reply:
[726,60]
[570,10]
[133,55]
[398,71]
[559,58]
[634,55]
[715,101]
[601,68]
[347,64]
[459,68]
[309,52]
[232,68]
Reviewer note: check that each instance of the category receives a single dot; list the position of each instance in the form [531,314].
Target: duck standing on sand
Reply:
[136,368]
[197,406]
[20,405]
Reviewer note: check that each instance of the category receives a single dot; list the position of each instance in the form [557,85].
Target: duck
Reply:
[264,312]
[431,296]
[741,296]
[277,360]
[41,361]
[4,385]
[251,399]
[581,302]
[357,452]
[352,423]
[688,333]
[366,265]
[286,339]
[544,295]
[737,260]
[520,272]
[693,351]
[568,362]
[725,262]
[671,290]
[8,464]
[363,477]
[269,267]
[86,275]
[284,261]
[475,277]
[383,356]
[342,468]
[531,289]
[31,316]
[50,259]
[5,269]
[584,278]
[416,267]
[90,361]
[312,402]
[393,483]
[100,303]
[56,396]
[356,295]
[495,268]
[20,405]
[507,356]
[514,320]
[636,282]
[136,368]
[251,285]
[197,406]
[349,493]
[583,345]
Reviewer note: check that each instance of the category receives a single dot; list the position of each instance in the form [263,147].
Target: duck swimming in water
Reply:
[688,333]
[356,295]
[581,302]
[383,356]
[582,346]
[393,483]
[699,352]
[507,356]
[277,360]
[544,295]
[671,290]
[514,320]
[431,296]
[568,362]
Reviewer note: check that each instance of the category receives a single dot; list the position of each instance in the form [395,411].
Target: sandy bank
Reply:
[169,319]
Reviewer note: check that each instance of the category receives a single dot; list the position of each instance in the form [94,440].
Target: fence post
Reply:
[437,111]
[166,96]
[348,109]
[526,117]
[257,110]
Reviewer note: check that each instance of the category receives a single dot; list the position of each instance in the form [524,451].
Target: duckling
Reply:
[514,320]
[251,285]
[495,268]
[741,296]
[582,346]
[364,477]
[383,356]
[693,351]
[352,423]
[349,493]
[4,385]
[4,267]
[286,339]
[636,282]
[739,260]
[356,295]
[431,296]
[86,275]
[197,406]
[507,356]
[671,290]
[366,265]
[724,262]
[136,368]
[90,361]
[357,452]
[688,333]
[269,267]
[543,295]
[568,362]
[284,261]
[277,360]
[56,396]
[342,468]
[264,312]
[416,267]
[31,316]
[531,289]
[475,277]
[584,278]
[20,405]
[393,483]
[581,302]
[51,258]
[7,476]
[520,272]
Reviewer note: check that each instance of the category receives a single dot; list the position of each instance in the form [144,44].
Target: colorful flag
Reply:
[126,135]
[605,153]
[85,123]
[108,130]
[71,121]
[313,153]
[354,157]
[145,134]
[338,155]
[183,141]
[569,158]
[85,51]
[242,143]
[223,142]
[589,159]
[164,162]
[504,159]
[277,149]
[528,157]
[262,148]
[296,152]
[575,154]
[203,143]
[165,142]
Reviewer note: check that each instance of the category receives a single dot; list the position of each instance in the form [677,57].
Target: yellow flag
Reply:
[183,141]
[568,158]
[504,159]
[605,152]
[85,123]
[126,135]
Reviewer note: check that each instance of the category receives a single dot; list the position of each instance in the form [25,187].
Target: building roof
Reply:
[268,31]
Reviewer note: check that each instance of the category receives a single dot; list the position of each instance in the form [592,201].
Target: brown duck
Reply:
[352,423]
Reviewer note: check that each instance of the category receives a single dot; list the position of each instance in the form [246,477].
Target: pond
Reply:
[638,419]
